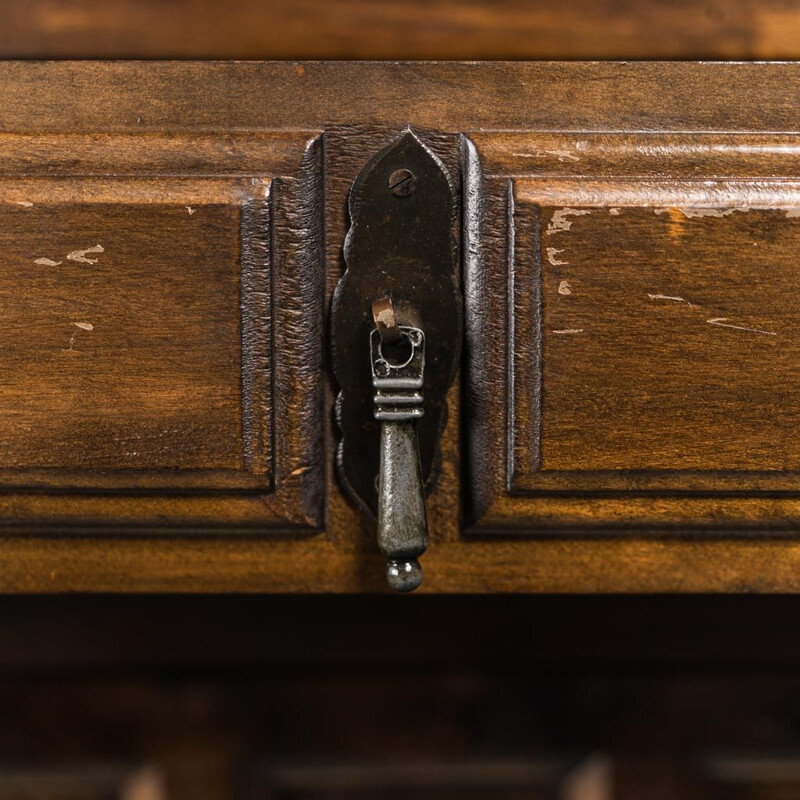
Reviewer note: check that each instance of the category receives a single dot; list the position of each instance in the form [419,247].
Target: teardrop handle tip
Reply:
[404,576]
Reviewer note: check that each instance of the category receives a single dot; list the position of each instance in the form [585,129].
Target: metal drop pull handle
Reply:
[397,378]
[396,325]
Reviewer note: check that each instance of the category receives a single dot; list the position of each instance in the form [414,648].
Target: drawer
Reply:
[626,238]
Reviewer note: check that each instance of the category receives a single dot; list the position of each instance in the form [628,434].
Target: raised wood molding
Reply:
[624,408]
[162,380]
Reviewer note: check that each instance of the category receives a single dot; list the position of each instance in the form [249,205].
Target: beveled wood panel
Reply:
[666,343]
[648,332]
[122,339]
[141,303]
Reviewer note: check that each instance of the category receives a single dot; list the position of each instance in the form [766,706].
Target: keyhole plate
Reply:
[401,246]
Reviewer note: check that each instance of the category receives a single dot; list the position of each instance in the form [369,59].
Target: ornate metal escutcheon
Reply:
[396,334]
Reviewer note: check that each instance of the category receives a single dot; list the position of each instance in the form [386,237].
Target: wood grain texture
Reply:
[268,152]
[174,401]
[656,380]
[139,288]
[444,29]
[669,407]
[175,97]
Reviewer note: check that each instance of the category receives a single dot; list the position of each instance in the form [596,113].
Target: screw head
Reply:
[382,368]
[403,183]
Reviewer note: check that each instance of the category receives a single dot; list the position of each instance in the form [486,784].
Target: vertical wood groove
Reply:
[525,336]
[257,379]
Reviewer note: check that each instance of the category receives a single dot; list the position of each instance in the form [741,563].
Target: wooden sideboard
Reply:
[624,416]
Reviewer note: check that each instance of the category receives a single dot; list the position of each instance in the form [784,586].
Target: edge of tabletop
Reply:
[152,96]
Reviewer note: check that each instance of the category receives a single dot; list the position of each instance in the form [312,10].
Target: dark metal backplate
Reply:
[400,245]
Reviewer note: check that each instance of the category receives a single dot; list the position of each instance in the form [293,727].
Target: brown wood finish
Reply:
[217,192]
[143,330]
[621,288]
[442,29]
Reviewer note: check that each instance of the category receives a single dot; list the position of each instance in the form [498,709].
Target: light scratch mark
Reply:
[564,288]
[559,222]
[47,262]
[569,330]
[723,323]
[552,252]
[675,298]
[80,255]
[561,155]
[690,213]
[84,326]
[190,210]
[792,212]
[300,470]
[564,155]
[615,212]
[25,203]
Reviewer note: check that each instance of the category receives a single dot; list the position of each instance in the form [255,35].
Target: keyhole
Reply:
[398,353]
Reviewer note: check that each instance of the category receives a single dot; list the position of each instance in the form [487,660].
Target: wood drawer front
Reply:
[147,381]
[643,293]
[170,238]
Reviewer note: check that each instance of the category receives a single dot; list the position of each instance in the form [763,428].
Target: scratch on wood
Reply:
[564,287]
[47,262]
[552,252]
[80,255]
[677,221]
[25,203]
[300,470]
[559,222]
[190,210]
[569,330]
[615,212]
[691,213]
[561,155]
[792,212]
[84,326]
[723,323]
[675,298]
[564,155]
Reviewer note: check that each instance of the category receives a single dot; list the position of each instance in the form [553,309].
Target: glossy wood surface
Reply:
[648,448]
[442,29]
[615,260]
